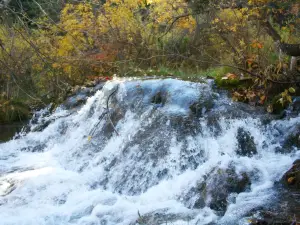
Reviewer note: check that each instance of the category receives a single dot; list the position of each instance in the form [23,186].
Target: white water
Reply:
[150,167]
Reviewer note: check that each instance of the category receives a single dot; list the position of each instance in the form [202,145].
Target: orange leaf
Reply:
[291,180]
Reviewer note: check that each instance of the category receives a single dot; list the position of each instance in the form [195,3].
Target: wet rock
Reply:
[34,148]
[159,98]
[42,125]
[291,178]
[162,174]
[272,218]
[79,95]
[246,145]
[295,105]
[218,185]
[286,209]
[292,139]
[161,216]
[200,107]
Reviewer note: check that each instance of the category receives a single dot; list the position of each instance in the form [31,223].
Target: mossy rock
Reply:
[227,84]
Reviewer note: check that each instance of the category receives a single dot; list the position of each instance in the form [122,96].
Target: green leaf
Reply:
[292,90]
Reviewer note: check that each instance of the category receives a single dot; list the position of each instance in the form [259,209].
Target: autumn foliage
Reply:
[43,52]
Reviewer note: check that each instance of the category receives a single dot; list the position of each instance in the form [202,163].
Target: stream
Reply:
[165,151]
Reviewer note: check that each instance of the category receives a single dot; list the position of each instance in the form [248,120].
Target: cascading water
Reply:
[166,152]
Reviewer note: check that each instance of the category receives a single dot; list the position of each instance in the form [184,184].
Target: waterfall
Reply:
[165,151]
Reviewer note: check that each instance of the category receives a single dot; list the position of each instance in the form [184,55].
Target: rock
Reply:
[79,94]
[293,139]
[34,148]
[286,209]
[216,188]
[161,216]
[271,218]
[246,145]
[41,126]
[202,105]
[295,105]
[291,178]
[199,108]
[159,98]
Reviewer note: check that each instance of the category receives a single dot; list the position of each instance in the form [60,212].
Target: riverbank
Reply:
[7,131]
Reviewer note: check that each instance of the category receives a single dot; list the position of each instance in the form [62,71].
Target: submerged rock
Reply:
[246,144]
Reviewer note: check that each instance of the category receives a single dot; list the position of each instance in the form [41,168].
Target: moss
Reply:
[227,84]
[218,72]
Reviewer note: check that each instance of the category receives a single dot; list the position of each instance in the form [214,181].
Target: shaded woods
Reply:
[46,47]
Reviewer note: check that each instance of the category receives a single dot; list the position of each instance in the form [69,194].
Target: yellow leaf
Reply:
[89,138]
